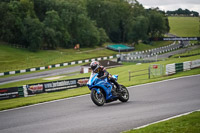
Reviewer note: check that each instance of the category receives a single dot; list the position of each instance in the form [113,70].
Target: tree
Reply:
[13,14]
[185,12]
[157,24]
[138,29]
[103,36]
[54,32]
[87,33]
[64,23]
[105,13]
[33,33]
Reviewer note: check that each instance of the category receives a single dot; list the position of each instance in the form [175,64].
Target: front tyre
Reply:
[124,96]
[98,99]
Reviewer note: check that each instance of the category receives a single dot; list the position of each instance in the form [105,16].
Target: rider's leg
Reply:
[116,84]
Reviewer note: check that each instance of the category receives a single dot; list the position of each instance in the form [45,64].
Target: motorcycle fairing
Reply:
[96,83]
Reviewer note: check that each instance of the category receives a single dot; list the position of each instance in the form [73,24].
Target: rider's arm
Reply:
[106,73]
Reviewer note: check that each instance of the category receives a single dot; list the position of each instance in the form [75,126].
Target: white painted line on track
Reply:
[89,94]
[176,116]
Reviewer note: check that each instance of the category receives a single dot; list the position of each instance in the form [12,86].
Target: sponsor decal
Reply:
[65,84]
[35,89]
[3,91]
[155,66]
[9,93]
[180,39]
[60,85]
[60,88]
[175,39]
[82,82]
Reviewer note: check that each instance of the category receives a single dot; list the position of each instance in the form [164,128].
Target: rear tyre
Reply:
[124,96]
[98,99]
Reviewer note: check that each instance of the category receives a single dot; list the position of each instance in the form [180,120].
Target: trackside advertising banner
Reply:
[9,93]
[32,89]
[35,89]
[175,39]
[64,84]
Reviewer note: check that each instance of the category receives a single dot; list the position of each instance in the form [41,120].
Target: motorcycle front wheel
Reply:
[124,96]
[98,99]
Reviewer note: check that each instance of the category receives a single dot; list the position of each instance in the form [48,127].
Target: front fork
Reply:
[98,91]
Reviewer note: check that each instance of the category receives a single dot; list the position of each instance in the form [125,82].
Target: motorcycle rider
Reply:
[103,73]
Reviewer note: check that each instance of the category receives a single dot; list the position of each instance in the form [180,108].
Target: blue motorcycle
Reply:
[101,90]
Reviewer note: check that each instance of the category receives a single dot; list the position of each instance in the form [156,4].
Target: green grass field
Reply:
[185,124]
[16,58]
[188,53]
[185,26]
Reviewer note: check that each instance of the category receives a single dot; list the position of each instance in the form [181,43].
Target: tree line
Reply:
[48,24]
[185,12]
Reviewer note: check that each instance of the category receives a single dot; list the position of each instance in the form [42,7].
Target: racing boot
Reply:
[118,88]
[114,93]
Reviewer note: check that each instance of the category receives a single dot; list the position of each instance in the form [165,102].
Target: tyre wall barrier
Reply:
[195,63]
[148,53]
[170,69]
[187,65]
[178,67]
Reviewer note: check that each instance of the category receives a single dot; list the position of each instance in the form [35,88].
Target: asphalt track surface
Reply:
[148,103]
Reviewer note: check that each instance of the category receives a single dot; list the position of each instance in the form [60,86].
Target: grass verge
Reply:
[188,53]
[185,124]
[12,59]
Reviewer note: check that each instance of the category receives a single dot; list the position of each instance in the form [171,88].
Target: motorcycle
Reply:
[101,90]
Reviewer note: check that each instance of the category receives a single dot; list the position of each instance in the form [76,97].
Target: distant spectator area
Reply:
[120,47]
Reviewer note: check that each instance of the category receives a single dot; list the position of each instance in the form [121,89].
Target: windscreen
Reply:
[92,77]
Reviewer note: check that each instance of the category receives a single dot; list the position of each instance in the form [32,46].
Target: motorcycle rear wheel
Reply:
[124,96]
[98,99]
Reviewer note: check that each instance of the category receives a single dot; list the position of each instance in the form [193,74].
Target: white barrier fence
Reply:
[175,67]
[195,63]
[186,65]
[170,69]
